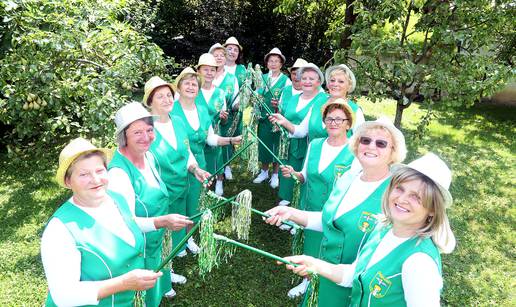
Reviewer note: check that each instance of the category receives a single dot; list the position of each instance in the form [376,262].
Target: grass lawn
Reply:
[478,143]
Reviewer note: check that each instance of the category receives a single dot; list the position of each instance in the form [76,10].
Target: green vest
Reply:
[228,86]
[196,138]
[381,285]
[149,201]
[240,73]
[275,91]
[103,254]
[344,237]
[298,146]
[319,186]
[172,163]
[285,97]
[315,127]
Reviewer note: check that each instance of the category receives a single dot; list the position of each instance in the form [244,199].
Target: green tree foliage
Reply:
[441,50]
[66,66]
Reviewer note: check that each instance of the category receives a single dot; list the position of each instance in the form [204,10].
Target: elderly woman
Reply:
[171,150]
[295,109]
[228,82]
[92,248]
[213,98]
[275,81]
[400,264]
[340,81]
[295,88]
[198,124]
[133,172]
[234,58]
[348,214]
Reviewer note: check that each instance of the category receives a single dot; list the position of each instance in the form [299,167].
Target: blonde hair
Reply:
[399,150]
[436,225]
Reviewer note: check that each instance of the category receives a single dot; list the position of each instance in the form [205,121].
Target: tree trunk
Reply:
[349,20]
[399,113]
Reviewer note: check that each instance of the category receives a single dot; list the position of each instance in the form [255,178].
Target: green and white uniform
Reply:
[229,84]
[103,255]
[173,162]
[150,200]
[239,71]
[345,230]
[271,139]
[319,183]
[295,109]
[382,282]
[197,139]
[214,100]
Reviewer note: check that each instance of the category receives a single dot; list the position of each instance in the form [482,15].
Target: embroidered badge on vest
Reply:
[340,169]
[366,222]
[277,92]
[229,89]
[186,142]
[379,286]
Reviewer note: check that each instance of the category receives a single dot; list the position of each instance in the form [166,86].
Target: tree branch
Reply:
[405,25]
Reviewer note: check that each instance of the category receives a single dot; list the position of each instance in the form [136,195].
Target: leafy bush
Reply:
[66,66]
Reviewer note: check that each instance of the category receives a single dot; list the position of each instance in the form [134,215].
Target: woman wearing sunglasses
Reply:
[349,214]
[400,264]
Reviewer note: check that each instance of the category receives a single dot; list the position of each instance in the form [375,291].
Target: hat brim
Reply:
[147,94]
[239,47]
[278,54]
[120,129]
[65,165]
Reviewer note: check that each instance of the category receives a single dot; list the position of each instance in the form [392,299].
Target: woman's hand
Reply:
[200,174]
[235,106]
[279,214]
[138,279]
[223,115]
[277,118]
[306,265]
[172,222]
[287,171]
[235,140]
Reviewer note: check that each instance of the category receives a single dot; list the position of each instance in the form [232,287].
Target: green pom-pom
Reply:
[139,299]
[284,144]
[207,257]
[314,290]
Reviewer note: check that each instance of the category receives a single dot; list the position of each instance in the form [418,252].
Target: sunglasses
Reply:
[364,140]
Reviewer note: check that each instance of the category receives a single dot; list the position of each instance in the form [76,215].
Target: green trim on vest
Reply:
[381,285]
[318,187]
[103,254]
[240,73]
[149,201]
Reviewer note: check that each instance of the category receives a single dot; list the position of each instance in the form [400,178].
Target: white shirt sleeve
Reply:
[191,159]
[62,264]
[314,221]
[421,280]
[303,170]
[301,130]
[120,183]
[348,273]
[212,139]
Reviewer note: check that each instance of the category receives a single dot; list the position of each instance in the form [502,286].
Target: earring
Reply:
[429,219]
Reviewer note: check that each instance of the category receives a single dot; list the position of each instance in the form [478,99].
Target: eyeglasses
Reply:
[336,121]
[364,140]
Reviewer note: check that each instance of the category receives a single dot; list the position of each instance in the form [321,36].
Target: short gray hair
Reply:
[121,138]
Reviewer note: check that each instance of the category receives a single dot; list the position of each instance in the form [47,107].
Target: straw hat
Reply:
[275,51]
[313,67]
[343,103]
[129,113]
[186,71]
[154,83]
[298,63]
[348,71]
[72,151]
[397,136]
[233,41]
[215,47]
[206,59]
[434,168]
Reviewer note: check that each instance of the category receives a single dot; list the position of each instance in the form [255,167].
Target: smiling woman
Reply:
[341,212]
